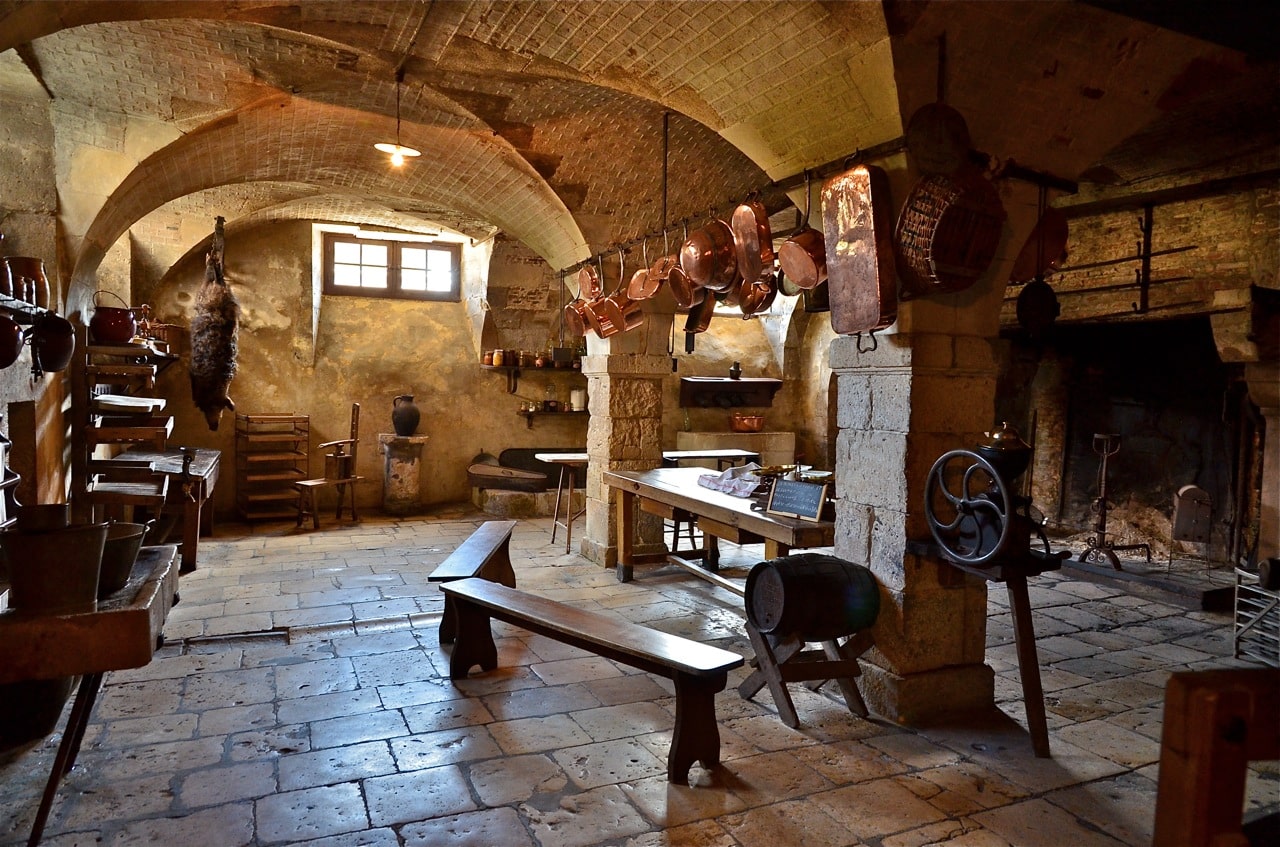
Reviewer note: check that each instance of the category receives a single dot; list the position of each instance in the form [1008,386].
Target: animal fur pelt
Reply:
[214,329]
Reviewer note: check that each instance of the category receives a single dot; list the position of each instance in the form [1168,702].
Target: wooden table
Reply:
[726,456]
[191,491]
[124,632]
[674,493]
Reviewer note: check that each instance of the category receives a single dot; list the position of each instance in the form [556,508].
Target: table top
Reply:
[122,633]
[679,487]
[170,461]
[667,455]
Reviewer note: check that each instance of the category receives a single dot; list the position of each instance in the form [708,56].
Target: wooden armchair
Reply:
[339,472]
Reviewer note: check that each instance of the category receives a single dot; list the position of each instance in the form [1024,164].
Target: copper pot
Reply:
[622,312]
[753,242]
[759,296]
[686,293]
[708,256]
[803,257]
[643,285]
[597,319]
[589,285]
[575,318]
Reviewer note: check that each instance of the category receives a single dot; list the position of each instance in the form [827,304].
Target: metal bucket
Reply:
[54,572]
[118,556]
[815,596]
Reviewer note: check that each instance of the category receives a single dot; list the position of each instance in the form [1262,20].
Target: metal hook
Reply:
[875,342]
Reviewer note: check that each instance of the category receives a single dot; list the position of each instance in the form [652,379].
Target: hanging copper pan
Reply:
[589,284]
[758,297]
[803,256]
[861,284]
[575,318]
[708,256]
[698,320]
[753,242]
[621,311]
[1044,247]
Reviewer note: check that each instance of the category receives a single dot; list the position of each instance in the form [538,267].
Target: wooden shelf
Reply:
[529,416]
[725,393]
[271,455]
[130,430]
[513,373]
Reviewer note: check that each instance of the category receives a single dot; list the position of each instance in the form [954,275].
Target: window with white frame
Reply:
[376,267]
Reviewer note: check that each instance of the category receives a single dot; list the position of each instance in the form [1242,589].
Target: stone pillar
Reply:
[402,455]
[901,405]
[624,374]
[1264,390]
[1049,400]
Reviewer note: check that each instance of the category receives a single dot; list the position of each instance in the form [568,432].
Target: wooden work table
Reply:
[674,494]
[124,632]
[191,491]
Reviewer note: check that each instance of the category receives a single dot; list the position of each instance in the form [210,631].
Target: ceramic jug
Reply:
[405,415]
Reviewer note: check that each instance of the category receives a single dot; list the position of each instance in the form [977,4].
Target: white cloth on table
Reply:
[740,481]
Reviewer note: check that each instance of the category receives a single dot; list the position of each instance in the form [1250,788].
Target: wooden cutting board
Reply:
[859,239]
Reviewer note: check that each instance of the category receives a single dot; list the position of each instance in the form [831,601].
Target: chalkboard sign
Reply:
[793,499]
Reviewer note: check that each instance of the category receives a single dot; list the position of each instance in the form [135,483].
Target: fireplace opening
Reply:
[1174,413]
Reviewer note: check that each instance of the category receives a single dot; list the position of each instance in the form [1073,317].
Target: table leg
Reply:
[190,534]
[68,749]
[775,549]
[626,534]
[555,514]
[1024,637]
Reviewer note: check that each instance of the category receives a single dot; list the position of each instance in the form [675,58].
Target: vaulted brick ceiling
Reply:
[544,120]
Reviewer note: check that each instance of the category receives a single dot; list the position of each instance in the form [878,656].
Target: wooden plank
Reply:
[469,558]
[632,644]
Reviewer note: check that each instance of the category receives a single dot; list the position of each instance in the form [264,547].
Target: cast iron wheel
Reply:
[969,511]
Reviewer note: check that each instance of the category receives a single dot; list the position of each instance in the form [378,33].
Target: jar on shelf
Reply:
[487,359]
[499,358]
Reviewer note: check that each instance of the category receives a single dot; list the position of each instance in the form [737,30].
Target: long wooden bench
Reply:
[699,671]
[486,554]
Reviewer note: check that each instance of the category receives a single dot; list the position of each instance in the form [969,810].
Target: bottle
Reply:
[549,399]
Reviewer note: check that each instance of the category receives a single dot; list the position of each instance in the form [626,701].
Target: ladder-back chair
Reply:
[339,472]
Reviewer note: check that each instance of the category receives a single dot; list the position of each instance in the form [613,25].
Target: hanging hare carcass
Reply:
[214,329]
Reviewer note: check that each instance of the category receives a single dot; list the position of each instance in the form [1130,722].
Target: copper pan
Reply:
[686,293]
[589,285]
[758,296]
[803,256]
[575,318]
[708,256]
[753,242]
[622,312]
[698,320]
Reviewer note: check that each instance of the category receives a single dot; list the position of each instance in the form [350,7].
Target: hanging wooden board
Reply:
[859,243]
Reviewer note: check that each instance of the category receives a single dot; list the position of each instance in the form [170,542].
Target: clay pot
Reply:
[6,279]
[29,267]
[10,341]
[53,341]
[405,415]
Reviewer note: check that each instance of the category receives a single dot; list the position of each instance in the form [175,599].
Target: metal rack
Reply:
[1256,634]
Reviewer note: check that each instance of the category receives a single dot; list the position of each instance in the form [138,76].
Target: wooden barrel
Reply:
[813,595]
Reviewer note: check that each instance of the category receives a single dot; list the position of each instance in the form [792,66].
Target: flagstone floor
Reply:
[302,698]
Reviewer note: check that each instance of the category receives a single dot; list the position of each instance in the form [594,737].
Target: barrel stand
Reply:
[783,659]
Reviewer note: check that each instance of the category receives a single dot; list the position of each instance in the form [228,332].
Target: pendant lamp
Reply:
[397,151]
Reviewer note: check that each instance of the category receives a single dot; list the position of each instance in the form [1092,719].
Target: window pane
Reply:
[346,275]
[374,254]
[413,280]
[371,277]
[440,260]
[346,253]
[413,257]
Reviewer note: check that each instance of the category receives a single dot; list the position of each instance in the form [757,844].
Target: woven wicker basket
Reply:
[947,233]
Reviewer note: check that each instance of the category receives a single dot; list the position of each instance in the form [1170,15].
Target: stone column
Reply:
[1263,379]
[402,455]
[901,405]
[624,396]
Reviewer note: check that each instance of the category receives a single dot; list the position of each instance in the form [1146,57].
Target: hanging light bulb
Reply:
[397,151]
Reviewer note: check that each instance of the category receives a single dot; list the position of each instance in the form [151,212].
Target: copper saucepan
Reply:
[803,256]
[753,242]
[708,256]
[758,296]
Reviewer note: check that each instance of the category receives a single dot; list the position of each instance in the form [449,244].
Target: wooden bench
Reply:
[486,553]
[699,671]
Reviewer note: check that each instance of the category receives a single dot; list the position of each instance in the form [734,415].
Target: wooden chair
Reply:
[339,472]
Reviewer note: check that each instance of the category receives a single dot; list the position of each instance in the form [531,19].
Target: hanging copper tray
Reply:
[859,248]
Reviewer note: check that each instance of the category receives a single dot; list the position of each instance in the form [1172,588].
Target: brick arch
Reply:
[291,140]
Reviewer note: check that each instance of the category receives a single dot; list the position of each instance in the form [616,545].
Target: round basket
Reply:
[947,233]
